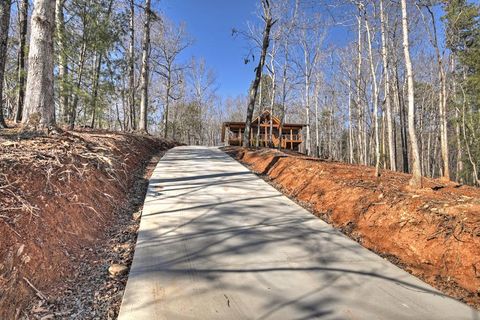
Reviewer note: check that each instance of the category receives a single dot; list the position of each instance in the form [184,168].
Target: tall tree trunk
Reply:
[374,98]
[307,102]
[475,176]
[397,95]
[73,110]
[459,166]
[428,164]
[386,77]
[362,143]
[350,127]
[167,99]
[384,151]
[330,128]
[124,105]
[120,124]
[416,180]
[5,7]
[258,74]
[284,94]
[62,59]
[272,101]
[317,129]
[285,72]
[39,111]
[260,89]
[22,40]
[143,126]
[96,81]
[307,109]
[442,100]
[131,65]
[97,73]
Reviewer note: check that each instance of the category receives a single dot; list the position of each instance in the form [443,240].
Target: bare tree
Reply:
[169,44]
[386,79]
[39,111]
[400,107]
[269,22]
[311,54]
[143,125]
[317,129]
[203,81]
[195,114]
[271,69]
[131,67]
[362,137]
[374,95]
[416,180]
[286,30]
[442,92]
[350,125]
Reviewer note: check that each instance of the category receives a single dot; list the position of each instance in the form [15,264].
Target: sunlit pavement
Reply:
[217,242]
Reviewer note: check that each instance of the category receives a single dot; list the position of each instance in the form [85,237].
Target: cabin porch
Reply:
[289,136]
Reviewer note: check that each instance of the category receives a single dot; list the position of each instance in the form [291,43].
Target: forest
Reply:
[400,91]
[402,95]
[113,166]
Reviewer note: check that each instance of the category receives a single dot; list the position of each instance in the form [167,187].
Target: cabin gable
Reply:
[264,118]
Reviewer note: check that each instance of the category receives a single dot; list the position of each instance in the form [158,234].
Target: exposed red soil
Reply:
[433,232]
[60,194]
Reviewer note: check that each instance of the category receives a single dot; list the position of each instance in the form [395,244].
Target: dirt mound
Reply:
[433,233]
[58,196]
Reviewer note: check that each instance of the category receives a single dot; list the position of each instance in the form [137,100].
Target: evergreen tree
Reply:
[462,20]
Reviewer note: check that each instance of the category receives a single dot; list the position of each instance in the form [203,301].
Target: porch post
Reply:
[265,137]
[227,136]
[291,139]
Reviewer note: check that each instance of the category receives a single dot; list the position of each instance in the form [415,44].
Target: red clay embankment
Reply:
[433,232]
[58,195]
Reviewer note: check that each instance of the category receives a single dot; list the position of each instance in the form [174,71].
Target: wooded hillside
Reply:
[104,65]
[396,88]
[374,81]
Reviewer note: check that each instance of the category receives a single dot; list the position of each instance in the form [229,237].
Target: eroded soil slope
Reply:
[433,233]
[58,197]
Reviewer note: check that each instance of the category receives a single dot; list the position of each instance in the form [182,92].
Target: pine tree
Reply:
[462,21]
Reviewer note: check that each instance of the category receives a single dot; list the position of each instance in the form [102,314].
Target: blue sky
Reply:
[210,22]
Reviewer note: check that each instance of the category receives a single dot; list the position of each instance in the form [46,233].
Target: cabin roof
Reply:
[242,124]
[264,115]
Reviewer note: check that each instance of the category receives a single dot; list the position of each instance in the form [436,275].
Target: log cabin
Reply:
[289,136]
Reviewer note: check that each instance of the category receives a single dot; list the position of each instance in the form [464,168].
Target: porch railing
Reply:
[266,137]
[292,137]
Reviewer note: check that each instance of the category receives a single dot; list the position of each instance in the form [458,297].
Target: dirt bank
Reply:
[433,233]
[60,196]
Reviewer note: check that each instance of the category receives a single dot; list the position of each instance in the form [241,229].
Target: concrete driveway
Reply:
[217,242]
